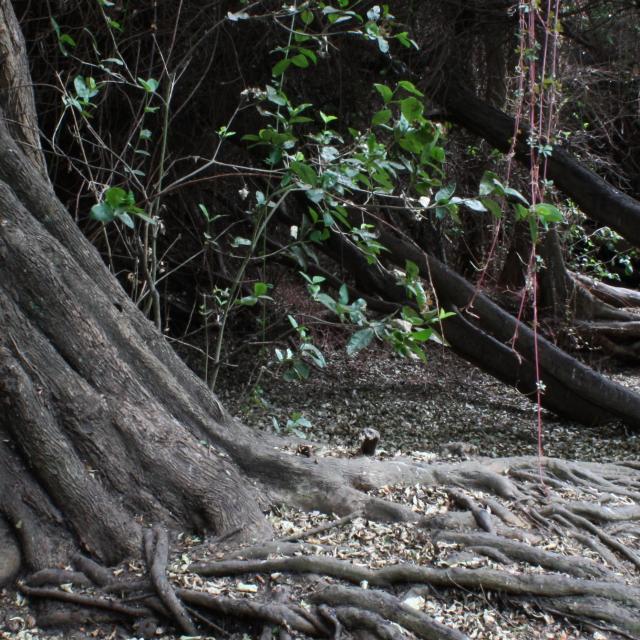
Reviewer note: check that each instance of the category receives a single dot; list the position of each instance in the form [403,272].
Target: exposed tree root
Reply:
[157,547]
[389,607]
[587,503]
[620,297]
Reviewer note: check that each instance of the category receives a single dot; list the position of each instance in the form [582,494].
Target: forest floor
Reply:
[419,410]
[418,407]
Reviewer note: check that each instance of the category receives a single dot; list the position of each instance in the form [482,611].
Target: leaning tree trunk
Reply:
[103,429]
[100,420]
[486,335]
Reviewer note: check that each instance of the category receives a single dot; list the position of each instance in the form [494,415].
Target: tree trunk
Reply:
[103,429]
[615,296]
[489,337]
[564,297]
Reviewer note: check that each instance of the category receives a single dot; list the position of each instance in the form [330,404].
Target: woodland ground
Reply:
[418,410]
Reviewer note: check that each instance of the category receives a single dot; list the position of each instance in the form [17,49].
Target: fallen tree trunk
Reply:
[571,388]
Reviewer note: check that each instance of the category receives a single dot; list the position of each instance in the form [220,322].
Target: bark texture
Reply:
[16,90]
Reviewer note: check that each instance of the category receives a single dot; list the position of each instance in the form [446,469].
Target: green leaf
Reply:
[305,173]
[65,38]
[360,340]
[150,85]
[115,197]
[384,91]
[441,212]
[301,369]
[143,216]
[280,67]
[488,184]
[102,212]
[411,108]
[423,335]
[516,194]
[438,154]
[306,16]
[492,206]
[276,96]
[314,353]
[383,179]
[412,270]
[414,348]
[411,315]
[126,219]
[260,288]
[315,195]
[381,117]
[327,118]
[444,194]
[404,39]
[474,205]
[327,301]
[85,88]
[547,213]
[300,61]
[310,54]
[383,44]
[409,87]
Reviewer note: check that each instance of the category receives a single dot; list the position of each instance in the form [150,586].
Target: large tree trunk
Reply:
[103,428]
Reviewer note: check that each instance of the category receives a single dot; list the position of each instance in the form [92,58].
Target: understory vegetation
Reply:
[307,310]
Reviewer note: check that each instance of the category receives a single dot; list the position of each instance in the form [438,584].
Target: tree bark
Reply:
[562,296]
[16,90]
[613,295]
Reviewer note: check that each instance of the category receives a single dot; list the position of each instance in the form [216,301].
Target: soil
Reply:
[419,410]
